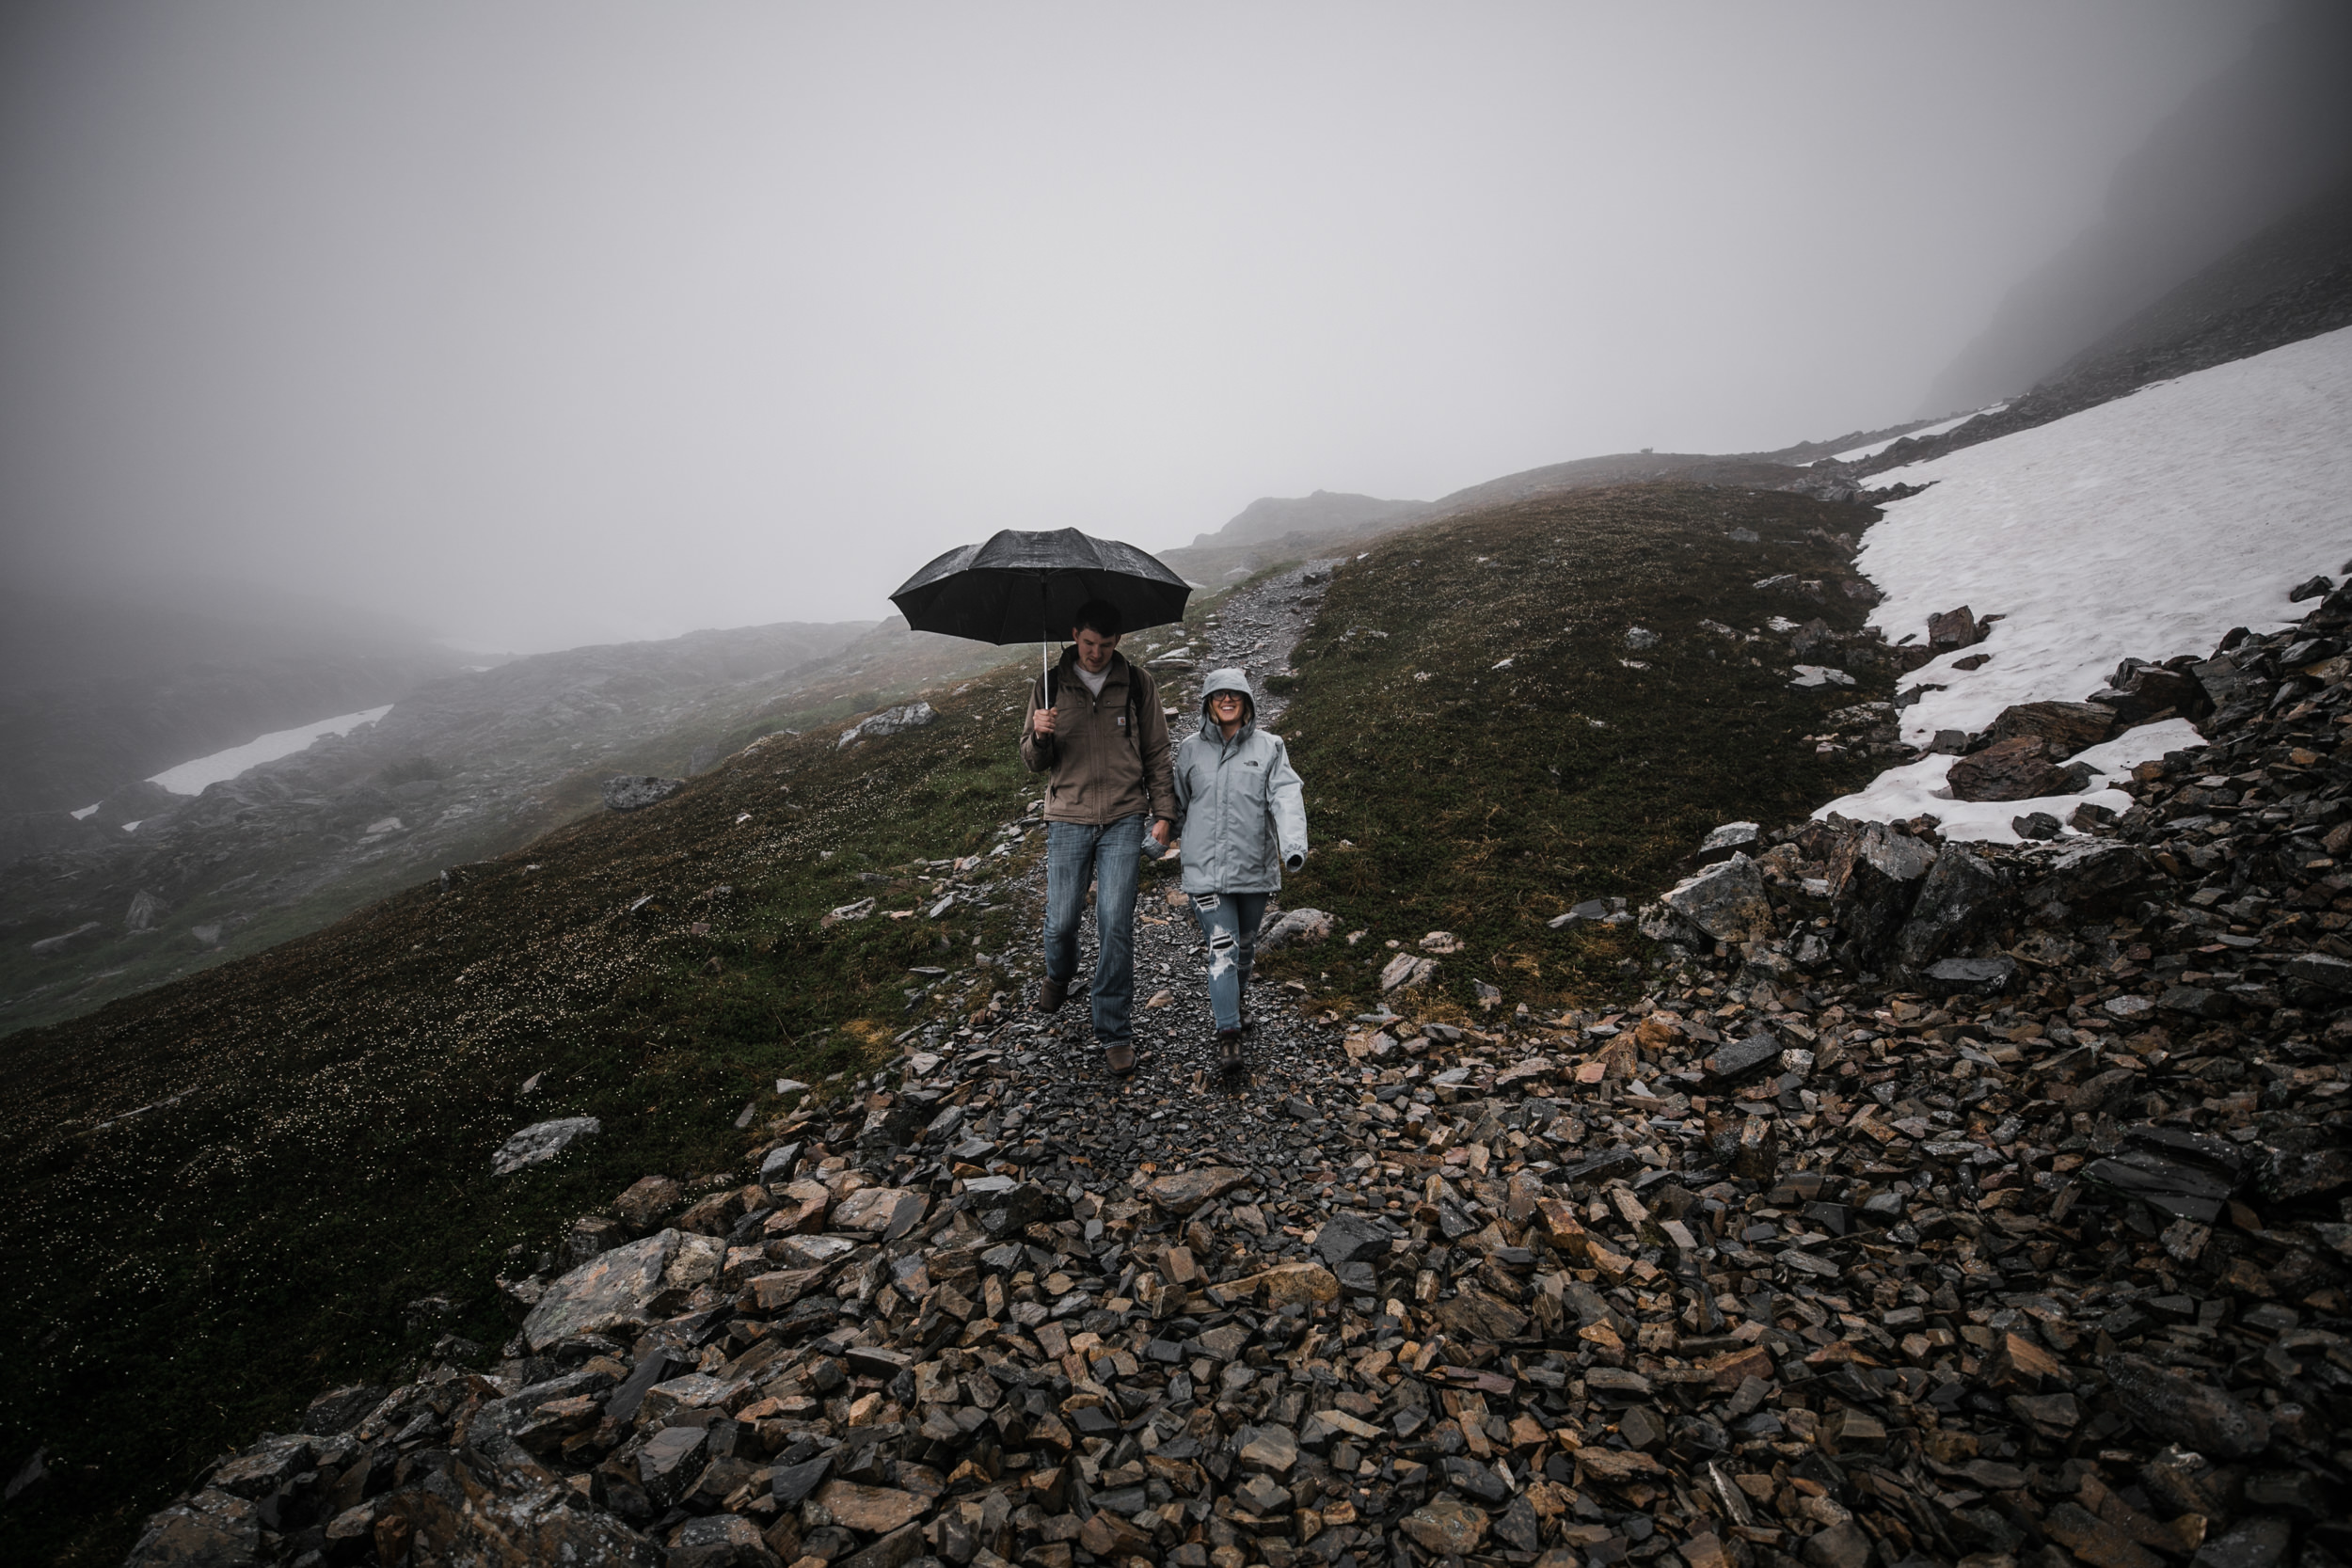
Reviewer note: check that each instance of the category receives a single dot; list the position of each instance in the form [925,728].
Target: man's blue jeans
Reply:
[1230,922]
[1110,857]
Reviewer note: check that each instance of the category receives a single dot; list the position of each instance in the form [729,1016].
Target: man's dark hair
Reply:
[1099,616]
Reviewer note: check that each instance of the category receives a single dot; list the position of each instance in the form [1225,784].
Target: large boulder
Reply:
[2091,876]
[2176,1409]
[2141,694]
[1875,873]
[2021,768]
[1727,902]
[1953,629]
[213,1527]
[1960,894]
[2068,727]
[2227,684]
[620,1288]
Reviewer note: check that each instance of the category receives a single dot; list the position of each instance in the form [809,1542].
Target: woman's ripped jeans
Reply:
[1230,921]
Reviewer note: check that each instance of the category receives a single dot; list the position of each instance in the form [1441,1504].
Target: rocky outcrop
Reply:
[2021,768]
[890,721]
[628,792]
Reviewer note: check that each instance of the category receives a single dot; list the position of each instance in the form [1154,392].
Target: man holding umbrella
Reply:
[1094,726]
[1093,723]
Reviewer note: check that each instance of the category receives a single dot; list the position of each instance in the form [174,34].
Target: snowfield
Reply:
[192,778]
[2146,527]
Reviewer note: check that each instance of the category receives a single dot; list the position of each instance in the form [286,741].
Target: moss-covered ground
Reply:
[1482,749]
[224,1193]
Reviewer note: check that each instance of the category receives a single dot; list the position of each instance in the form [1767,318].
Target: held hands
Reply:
[1160,831]
[1041,723]
[1293,863]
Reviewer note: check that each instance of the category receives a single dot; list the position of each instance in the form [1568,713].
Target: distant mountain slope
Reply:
[1324,511]
[2289,283]
[96,693]
[1625,467]
[467,767]
[2253,144]
[1327,522]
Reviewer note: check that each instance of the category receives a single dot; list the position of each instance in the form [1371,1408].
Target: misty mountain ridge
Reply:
[1324,511]
[2258,141]
[2290,281]
[1272,528]
[97,691]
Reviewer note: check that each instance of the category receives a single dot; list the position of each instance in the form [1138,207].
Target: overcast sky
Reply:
[548,324]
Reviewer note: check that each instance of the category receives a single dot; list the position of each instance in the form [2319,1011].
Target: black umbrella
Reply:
[1018,585]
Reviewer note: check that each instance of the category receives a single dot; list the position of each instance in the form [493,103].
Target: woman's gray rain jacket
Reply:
[1240,808]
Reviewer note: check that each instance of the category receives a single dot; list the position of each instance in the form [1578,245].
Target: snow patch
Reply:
[83,812]
[192,778]
[2148,527]
[1903,793]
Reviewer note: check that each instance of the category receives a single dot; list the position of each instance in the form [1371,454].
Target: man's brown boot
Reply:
[1120,1058]
[1050,992]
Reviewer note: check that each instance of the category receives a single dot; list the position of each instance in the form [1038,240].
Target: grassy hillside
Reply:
[1485,799]
[475,766]
[228,1192]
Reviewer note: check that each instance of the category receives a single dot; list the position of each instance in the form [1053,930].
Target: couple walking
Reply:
[1228,794]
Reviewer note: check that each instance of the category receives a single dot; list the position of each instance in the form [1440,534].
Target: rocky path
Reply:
[1179,1105]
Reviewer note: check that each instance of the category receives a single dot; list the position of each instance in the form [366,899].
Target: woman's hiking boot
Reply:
[1120,1058]
[1228,1050]
[1050,992]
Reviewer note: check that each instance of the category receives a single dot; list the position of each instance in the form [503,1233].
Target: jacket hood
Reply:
[1229,680]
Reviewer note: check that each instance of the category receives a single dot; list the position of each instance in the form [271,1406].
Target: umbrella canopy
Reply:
[1020,585]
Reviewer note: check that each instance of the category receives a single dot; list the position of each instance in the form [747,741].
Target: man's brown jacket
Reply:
[1099,771]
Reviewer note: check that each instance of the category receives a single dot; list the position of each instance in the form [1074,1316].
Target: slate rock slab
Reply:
[874,1510]
[1446,1526]
[2197,1416]
[1303,927]
[612,1290]
[340,1409]
[1985,976]
[1183,1191]
[1351,1239]
[2068,727]
[1726,901]
[2021,768]
[541,1141]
